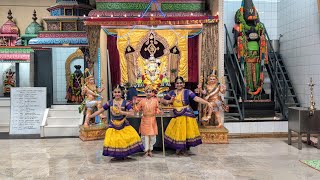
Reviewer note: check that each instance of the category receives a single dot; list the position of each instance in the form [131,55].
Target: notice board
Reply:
[27,108]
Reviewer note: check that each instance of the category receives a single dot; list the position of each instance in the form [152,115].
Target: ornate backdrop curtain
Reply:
[114,60]
[136,38]
[209,49]
[193,59]
[93,34]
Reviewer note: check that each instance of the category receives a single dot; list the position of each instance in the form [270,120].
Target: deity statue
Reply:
[212,91]
[139,82]
[75,84]
[3,42]
[165,80]
[152,76]
[251,46]
[91,101]
[9,82]
[89,62]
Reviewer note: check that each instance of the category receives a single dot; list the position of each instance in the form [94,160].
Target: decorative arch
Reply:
[77,54]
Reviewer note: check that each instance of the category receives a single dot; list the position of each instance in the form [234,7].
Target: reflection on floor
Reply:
[70,158]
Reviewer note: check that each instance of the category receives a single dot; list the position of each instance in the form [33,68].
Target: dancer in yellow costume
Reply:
[182,131]
[121,139]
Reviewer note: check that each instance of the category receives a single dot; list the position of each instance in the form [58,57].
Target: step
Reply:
[229,97]
[65,107]
[281,73]
[58,130]
[232,105]
[292,104]
[64,121]
[231,114]
[281,80]
[63,113]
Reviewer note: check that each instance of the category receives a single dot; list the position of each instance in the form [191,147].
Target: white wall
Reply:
[300,45]
[24,75]
[267,10]
[59,57]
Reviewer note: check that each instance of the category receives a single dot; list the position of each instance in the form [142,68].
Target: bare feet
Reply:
[219,125]
[150,154]
[146,154]
[117,159]
[86,124]
[179,152]
[205,119]
[185,153]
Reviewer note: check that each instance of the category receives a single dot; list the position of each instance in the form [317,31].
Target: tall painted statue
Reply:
[75,85]
[251,46]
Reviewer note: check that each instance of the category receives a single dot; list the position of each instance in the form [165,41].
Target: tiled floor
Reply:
[263,158]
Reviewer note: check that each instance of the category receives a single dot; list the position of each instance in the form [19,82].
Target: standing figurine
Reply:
[90,91]
[75,84]
[148,125]
[9,82]
[212,92]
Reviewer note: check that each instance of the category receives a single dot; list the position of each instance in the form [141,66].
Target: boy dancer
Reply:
[148,125]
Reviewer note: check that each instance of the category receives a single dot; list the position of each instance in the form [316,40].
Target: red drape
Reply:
[114,60]
[193,59]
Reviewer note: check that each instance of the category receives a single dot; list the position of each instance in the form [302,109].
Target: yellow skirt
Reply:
[121,140]
[182,132]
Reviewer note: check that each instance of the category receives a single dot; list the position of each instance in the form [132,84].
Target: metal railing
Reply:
[236,76]
[280,83]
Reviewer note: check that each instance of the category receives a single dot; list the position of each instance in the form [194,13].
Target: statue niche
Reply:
[74,80]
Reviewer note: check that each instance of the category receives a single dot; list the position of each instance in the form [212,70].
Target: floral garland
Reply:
[244,48]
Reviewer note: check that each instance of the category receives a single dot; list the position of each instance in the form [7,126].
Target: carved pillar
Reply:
[104,65]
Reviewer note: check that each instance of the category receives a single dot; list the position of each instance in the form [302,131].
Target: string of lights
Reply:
[163,14]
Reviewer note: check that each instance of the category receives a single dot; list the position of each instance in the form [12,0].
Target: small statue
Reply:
[3,42]
[212,92]
[139,82]
[75,84]
[165,81]
[90,91]
[8,82]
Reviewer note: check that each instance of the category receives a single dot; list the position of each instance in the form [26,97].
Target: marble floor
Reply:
[70,158]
